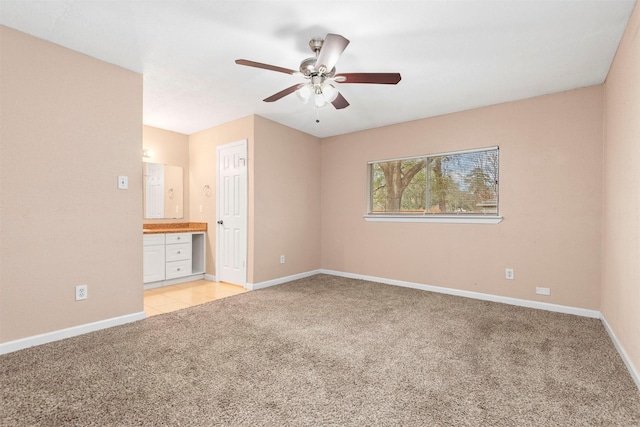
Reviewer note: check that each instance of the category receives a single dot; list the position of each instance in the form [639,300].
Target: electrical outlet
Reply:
[543,291]
[508,273]
[281,259]
[81,292]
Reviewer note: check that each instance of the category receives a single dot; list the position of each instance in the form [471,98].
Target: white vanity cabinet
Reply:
[153,257]
[171,258]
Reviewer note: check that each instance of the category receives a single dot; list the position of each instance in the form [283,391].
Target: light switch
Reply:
[123,182]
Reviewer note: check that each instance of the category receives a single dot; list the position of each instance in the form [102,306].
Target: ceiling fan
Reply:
[320,72]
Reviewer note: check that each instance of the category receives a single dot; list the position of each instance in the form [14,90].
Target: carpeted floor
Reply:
[328,351]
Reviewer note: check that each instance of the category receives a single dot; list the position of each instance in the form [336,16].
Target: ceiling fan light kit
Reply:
[322,94]
[320,72]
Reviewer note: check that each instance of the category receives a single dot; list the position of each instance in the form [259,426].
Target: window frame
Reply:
[463,218]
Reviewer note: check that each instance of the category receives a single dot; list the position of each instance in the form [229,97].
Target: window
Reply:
[463,183]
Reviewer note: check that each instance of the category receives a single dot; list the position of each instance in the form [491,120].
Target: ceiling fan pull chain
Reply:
[317,115]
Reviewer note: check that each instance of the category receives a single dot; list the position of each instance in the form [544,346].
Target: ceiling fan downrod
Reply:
[308,66]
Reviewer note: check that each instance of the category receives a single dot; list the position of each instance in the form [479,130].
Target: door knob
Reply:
[220,222]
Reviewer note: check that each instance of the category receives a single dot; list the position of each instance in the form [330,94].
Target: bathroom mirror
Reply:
[163,192]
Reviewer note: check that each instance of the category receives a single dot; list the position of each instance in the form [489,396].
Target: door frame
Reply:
[244,144]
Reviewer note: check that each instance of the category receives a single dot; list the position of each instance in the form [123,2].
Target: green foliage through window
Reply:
[453,183]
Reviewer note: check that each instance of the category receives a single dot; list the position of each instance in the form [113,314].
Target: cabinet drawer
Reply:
[178,238]
[178,269]
[152,239]
[178,252]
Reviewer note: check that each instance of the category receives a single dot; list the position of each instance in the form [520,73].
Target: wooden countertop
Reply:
[174,227]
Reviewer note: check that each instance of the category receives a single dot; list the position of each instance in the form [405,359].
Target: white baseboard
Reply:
[210,277]
[623,354]
[475,295]
[169,282]
[279,281]
[11,346]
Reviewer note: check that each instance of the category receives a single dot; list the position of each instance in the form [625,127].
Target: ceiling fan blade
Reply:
[374,78]
[282,93]
[264,66]
[332,48]
[340,102]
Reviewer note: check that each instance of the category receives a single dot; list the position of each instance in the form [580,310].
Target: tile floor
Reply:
[183,295]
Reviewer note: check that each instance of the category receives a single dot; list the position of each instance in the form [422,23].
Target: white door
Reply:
[231,210]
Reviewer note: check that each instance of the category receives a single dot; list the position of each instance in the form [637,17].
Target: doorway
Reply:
[231,213]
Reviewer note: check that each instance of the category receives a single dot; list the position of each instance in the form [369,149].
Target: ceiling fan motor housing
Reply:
[308,66]
[308,69]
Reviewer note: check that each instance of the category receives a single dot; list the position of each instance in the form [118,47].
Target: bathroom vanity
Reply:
[173,253]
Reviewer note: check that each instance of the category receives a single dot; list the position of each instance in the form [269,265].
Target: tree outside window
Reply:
[453,183]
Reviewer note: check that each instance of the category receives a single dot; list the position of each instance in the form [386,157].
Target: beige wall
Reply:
[621,231]
[202,168]
[69,126]
[550,197]
[286,218]
[283,195]
[169,148]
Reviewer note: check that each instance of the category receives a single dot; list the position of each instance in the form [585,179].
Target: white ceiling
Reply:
[452,55]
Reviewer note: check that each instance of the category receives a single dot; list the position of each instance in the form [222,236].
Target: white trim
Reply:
[169,282]
[435,218]
[447,153]
[281,280]
[210,277]
[445,219]
[623,354]
[11,346]
[475,295]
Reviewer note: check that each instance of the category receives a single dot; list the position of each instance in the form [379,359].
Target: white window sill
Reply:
[446,219]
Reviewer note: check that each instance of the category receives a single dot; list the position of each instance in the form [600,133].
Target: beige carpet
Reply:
[328,351]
